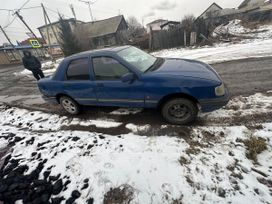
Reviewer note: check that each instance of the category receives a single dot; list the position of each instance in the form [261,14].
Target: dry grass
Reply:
[255,146]
[120,195]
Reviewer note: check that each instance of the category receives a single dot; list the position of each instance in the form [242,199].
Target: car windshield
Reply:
[140,59]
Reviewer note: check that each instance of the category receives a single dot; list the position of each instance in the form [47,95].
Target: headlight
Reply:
[220,90]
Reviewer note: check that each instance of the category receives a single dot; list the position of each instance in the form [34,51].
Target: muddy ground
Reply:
[243,77]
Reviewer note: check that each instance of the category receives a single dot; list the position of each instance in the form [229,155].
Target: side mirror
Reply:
[128,78]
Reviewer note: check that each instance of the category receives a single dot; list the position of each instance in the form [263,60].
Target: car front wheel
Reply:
[69,105]
[179,111]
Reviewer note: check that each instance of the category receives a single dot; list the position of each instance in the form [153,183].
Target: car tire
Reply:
[179,111]
[69,105]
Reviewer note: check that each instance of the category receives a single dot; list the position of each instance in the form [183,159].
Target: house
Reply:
[252,9]
[155,25]
[169,24]
[55,26]
[104,32]
[211,11]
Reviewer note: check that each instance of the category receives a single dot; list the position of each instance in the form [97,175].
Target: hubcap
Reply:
[179,111]
[69,106]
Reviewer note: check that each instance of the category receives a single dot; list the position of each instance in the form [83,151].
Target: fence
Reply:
[164,39]
[175,37]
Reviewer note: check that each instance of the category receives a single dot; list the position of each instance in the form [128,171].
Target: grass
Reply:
[255,146]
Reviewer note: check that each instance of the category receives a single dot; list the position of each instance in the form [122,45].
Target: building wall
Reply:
[51,35]
[4,58]
[102,41]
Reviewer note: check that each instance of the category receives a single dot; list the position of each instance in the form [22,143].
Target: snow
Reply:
[235,27]
[102,123]
[222,52]
[255,43]
[259,103]
[48,67]
[201,167]
[137,128]
[124,111]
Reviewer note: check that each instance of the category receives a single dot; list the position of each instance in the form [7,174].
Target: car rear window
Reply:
[78,70]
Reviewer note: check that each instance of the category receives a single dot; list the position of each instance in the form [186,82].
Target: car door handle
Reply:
[100,84]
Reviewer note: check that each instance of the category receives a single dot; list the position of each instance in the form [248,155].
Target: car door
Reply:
[111,91]
[79,82]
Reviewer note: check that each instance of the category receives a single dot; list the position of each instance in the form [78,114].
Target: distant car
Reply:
[129,77]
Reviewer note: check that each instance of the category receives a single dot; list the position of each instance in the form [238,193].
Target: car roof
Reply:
[99,51]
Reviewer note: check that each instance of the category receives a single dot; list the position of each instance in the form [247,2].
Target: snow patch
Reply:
[222,52]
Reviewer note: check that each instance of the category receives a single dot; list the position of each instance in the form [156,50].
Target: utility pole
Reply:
[89,3]
[51,26]
[9,42]
[48,37]
[22,19]
[73,10]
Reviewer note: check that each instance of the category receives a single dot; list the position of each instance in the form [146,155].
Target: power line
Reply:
[33,7]
[56,12]
[10,22]
[23,5]
[18,10]
[14,31]
[6,10]
[89,3]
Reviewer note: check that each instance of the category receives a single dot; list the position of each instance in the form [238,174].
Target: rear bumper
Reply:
[208,105]
[50,99]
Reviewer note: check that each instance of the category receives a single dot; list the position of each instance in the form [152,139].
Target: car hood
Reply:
[187,68]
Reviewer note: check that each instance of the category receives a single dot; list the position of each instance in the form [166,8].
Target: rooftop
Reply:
[103,27]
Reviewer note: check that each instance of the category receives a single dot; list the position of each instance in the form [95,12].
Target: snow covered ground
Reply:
[205,164]
[222,52]
[48,68]
[254,43]
[235,27]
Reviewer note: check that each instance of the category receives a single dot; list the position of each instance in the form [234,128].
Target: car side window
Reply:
[107,68]
[78,70]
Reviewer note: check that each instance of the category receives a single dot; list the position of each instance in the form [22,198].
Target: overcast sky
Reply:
[144,10]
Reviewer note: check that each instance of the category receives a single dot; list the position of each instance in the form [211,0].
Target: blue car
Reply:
[129,77]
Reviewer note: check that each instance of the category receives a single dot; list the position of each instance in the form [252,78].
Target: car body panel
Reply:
[174,76]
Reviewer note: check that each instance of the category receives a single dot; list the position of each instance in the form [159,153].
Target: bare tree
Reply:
[134,27]
[188,22]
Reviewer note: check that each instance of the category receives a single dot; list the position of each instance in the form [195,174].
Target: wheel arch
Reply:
[58,96]
[176,95]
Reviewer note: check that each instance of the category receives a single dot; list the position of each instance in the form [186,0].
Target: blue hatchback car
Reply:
[129,77]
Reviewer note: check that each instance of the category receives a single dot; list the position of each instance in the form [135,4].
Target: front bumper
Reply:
[208,105]
[50,99]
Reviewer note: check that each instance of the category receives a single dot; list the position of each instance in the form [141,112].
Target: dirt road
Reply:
[246,77]
[243,77]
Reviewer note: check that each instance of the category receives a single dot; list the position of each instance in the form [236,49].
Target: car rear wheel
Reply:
[179,111]
[69,105]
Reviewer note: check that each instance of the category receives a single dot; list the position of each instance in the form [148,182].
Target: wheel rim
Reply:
[69,106]
[179,111]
